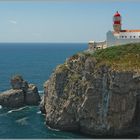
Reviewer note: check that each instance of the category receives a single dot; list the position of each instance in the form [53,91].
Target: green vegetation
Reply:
[123,57]
[116,52]
[17,77]
[61,68]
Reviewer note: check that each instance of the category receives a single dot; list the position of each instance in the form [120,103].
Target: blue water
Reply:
[35,62]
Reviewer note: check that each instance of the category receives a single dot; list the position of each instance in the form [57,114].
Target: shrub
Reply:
[123,57]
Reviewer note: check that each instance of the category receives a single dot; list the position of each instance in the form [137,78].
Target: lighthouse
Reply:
[118,36]
[117,22]
[121,36]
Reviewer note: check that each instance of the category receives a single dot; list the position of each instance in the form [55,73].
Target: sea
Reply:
[35,62]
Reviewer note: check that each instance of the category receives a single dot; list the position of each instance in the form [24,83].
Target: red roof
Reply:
[117,14]
[130,30]
[126,31]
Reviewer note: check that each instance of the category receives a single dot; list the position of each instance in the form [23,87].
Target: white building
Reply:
[97,45]
[119,36]
[116,37]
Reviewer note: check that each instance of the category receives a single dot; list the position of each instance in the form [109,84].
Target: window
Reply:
[134,36]
[139,36]
[122,36]
[125,36]
[130,36]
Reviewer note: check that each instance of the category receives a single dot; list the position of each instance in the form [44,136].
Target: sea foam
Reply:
[39,112]
[15,110]
[40,91]
[52,128]
[0,106]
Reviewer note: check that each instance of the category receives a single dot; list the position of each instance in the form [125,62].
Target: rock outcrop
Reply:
[12,98]
[21,94]
[91,97]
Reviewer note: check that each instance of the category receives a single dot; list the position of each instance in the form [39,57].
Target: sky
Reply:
[63,21]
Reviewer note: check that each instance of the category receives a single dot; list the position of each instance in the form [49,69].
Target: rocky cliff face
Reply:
[83,95]
[21,94]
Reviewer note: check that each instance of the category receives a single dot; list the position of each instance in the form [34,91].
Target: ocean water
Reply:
[35,62]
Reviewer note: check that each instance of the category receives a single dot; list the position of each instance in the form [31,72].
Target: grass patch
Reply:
[123,57]
[117,52]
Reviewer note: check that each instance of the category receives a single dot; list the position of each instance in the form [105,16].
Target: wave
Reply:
[0,106]
[15,110]
[40,91]
[39,112]
[52,128]
[22,121]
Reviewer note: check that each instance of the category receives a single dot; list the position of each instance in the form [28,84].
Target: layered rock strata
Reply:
[82,95]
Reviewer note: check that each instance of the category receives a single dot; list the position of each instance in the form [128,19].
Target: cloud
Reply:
[13,21]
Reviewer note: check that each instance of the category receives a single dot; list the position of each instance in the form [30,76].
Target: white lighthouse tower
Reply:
[117,22]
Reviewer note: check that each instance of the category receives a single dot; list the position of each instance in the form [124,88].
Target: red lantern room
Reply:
[117,22]
[117,14]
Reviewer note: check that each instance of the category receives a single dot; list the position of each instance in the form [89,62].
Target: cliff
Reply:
[96,93]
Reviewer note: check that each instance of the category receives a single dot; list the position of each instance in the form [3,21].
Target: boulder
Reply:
[17,82]
[32,96]
[21,94]
[12,98]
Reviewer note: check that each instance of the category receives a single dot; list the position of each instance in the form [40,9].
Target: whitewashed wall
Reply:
[122,38]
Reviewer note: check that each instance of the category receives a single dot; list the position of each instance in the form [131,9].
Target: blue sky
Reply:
[61,21]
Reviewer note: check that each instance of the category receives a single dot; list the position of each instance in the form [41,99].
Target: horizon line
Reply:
[68,1]
[41,42]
